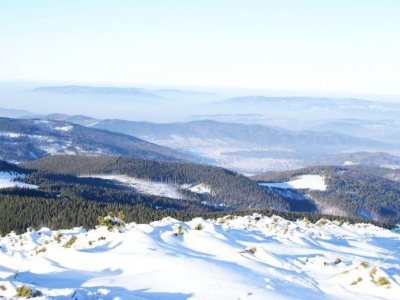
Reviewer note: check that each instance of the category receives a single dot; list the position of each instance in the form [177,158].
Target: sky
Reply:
[341,46]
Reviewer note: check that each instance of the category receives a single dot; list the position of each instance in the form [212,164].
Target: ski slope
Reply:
[252,257]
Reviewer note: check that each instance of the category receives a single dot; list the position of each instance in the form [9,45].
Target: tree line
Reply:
[227,187]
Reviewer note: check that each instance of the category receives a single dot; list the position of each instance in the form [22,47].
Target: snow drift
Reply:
[251,257]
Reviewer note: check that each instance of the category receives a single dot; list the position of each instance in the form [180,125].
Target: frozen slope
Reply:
[252,257]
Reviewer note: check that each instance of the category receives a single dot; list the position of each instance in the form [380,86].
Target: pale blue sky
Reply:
[350,46]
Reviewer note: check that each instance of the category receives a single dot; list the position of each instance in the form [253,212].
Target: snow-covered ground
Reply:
[248,257]
[200,188]
[7,180]
[349,163]
[145,186]
[64,128]
[10,134]
[313,182]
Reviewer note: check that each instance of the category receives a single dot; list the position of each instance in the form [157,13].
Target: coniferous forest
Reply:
[227,187]
[354,190]
[64,200]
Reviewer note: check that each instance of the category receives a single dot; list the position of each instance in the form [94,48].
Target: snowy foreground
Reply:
[248,257]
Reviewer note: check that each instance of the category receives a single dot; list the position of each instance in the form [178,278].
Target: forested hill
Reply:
[227,187]
[7,167]
[64,201]
[354,191]
[24,140]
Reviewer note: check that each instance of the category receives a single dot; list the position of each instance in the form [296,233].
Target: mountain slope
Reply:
[371,159]
[350,191]
[247,148]
[36,197]
[76,119]
[384,130]
[24,140]
[250,148]
[225,187]
[255,134]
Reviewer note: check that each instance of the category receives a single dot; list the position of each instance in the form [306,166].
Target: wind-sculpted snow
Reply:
[252,257]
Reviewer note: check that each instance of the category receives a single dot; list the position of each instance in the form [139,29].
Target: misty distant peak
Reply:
[260,99]
[14,113]
[77,89]
[137,92]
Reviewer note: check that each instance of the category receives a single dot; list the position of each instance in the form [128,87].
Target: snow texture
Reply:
[200,188]
[251,257]
[313,182]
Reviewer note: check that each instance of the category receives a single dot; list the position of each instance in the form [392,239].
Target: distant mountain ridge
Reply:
[250,148]
[372,159]
[387,131]
[76,119]
[212,130]
[295,100]
[14,113]
[308,107]
[247,148]
[24,140]
[257,134]
[384,130]
[156,94]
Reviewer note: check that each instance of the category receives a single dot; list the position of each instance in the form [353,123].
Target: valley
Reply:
[173,150]
[250,148]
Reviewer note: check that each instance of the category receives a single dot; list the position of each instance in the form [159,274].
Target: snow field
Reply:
[145,186]
[313,182]
[10,134]
[251,257]
[200,188]
[8,179]
[156,188]
[64,128]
